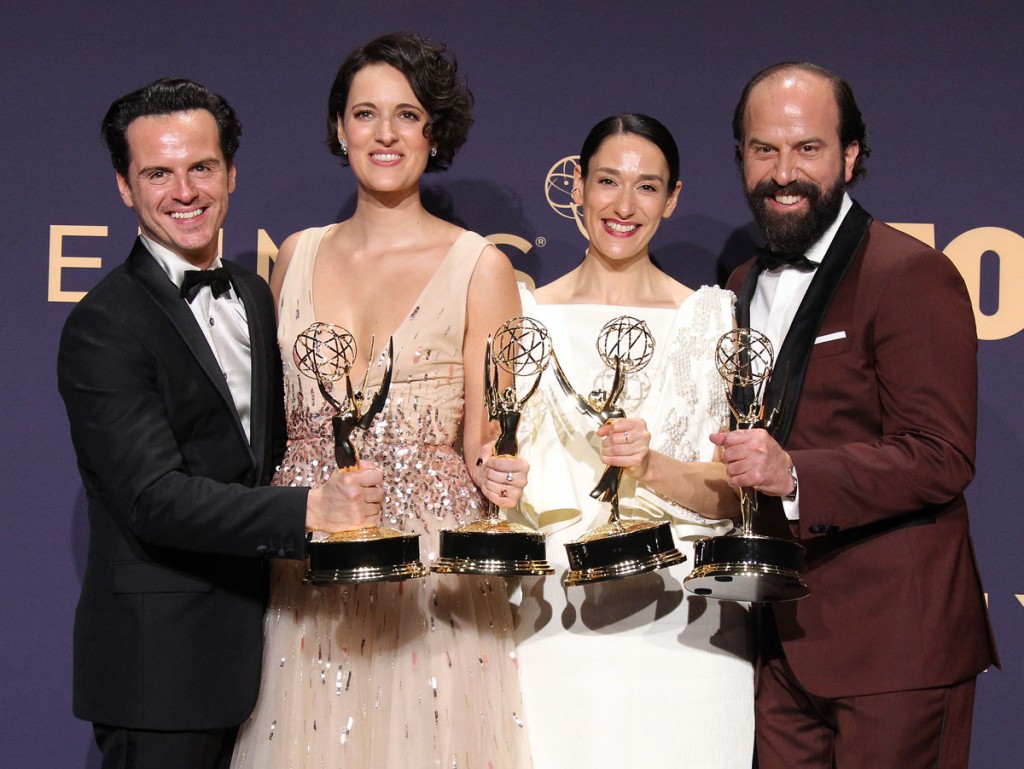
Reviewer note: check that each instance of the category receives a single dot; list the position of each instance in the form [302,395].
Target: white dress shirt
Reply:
[777,298]
[224,324]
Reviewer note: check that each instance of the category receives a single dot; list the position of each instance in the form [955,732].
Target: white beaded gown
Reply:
[391,675]
[634,672]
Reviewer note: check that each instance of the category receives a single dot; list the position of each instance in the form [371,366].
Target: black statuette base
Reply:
[495,547]
[747,568]
[621,549]
[384,559]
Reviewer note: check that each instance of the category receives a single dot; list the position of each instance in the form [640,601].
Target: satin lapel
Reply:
[783,391]
[144,268]
[742,396]
[258,344]
[746,294]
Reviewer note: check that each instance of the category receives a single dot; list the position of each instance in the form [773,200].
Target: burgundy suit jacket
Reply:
[881,422]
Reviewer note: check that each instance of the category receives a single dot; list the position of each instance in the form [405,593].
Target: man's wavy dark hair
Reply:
[164,97]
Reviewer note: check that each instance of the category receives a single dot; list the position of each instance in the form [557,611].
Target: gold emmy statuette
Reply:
[494,545]
[326,353]
[619,548]
[743,565]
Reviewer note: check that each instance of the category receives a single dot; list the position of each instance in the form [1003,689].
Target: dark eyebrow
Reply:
[209,161]
[764,143]
[397,106]
[617,172]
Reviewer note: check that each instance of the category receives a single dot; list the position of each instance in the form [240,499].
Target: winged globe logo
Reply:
[558,191]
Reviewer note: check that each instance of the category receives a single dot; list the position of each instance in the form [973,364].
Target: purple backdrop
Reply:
[939,89]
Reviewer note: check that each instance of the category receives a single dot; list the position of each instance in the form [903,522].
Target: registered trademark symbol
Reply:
[540,242]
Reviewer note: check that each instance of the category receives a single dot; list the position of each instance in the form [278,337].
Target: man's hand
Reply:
[755,461]
[350,499]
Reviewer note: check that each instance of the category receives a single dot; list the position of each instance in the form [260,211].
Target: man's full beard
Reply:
[796,233]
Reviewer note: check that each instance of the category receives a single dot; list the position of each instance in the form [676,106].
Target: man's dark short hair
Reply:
[164,97]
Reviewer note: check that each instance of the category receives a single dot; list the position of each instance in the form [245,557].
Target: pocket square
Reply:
[830,337]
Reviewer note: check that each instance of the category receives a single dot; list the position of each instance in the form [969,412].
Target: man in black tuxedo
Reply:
[171,377]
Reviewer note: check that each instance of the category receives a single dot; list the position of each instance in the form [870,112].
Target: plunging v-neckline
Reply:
[381,344]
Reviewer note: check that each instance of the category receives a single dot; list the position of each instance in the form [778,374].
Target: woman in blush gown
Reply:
[422,673]
[634,672]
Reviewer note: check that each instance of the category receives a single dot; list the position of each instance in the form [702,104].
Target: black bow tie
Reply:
[770,260]
[219,281]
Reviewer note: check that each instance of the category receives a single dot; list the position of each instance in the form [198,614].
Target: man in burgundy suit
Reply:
[867,462]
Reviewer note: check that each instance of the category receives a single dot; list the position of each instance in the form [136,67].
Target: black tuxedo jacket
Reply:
[168,630]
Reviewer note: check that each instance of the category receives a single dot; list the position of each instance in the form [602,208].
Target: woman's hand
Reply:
[501,478]
[627,444]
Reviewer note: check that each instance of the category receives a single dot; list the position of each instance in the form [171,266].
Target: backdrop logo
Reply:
[523,246]
[986,256]
[989,258]
[558,191]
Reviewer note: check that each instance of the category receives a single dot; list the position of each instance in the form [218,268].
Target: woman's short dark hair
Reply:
[164,97]
[851,123]
[643,126]
[432,75]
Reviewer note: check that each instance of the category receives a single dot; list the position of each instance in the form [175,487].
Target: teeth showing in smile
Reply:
[788,200]
[187,214]
[386,158]
[617,227]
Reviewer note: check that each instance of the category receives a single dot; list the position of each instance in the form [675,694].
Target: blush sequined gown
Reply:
[391,675]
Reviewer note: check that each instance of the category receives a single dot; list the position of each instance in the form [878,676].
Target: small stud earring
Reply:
[433,151]
[344,147]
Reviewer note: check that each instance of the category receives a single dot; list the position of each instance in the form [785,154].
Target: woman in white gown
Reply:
[634,672]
